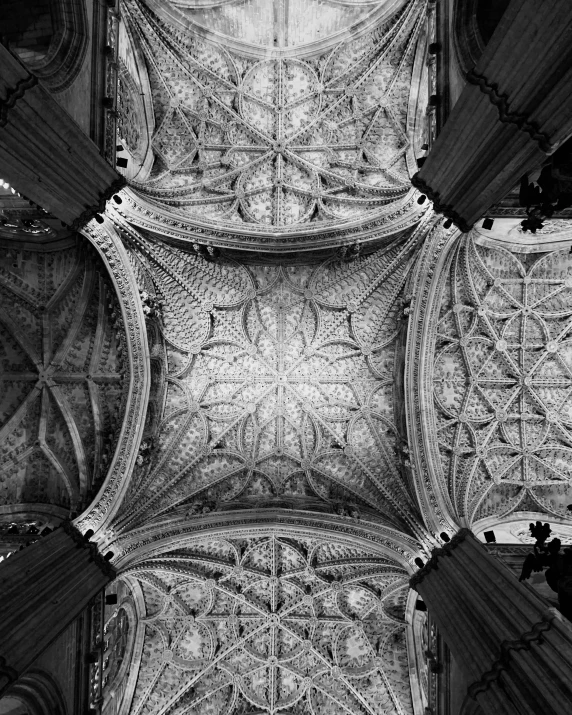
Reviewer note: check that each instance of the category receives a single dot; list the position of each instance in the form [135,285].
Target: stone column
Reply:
[44,155]
[515,112]
[43,588]
[515,651]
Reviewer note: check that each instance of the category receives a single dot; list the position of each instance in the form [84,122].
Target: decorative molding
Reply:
[500,101]
[13,94]
[155,537]
[104,566]
[115,257]
[424,285]
[525,642]
[433,563]
[85,217]
[152,217]
[445,209]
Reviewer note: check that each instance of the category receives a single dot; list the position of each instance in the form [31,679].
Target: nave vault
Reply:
[268,377]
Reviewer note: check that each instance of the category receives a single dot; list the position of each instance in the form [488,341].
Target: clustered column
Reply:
[43,588]
[515,112]
[515,651]
[44,154]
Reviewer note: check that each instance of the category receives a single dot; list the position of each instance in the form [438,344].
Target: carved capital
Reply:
[445,209]
[432,564]
[91,211]
[96,557]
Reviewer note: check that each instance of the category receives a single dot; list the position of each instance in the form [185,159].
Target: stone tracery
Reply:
[280,385]
[272,624]
[502,381]
[277,144]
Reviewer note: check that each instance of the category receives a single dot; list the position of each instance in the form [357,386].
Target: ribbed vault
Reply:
[279,385]
[63,376]
[278,145]
[268,624]
[501,371]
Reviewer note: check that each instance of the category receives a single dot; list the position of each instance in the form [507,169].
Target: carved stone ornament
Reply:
[273,623]
[498,378]
[113,254]
[280,385]
[281,146]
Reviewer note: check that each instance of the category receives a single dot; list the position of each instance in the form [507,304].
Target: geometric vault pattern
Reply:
[272,625]
[280,385]
[62,376]
[503,381]
[276,143]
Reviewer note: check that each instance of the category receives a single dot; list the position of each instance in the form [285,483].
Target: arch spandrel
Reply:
[498,379]
[277,620]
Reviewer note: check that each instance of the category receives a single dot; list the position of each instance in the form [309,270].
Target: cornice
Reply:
[98,208]
[446,209]
[104,566]
[149,216]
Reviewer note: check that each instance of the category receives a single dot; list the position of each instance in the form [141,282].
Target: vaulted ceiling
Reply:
[288,375]
[63,378]
[288,141]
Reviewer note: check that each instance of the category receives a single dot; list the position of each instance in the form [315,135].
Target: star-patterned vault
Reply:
[503,381]
[280,144]
[280,385]
[271,624]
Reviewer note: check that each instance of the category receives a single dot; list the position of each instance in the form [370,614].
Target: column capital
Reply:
[104,566]
[445,550]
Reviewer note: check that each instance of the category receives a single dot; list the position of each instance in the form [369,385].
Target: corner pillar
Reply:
[514,650]
[43,588]
[44,154]
[515,111]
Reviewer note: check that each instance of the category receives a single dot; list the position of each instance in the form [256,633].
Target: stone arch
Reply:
[51,38]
